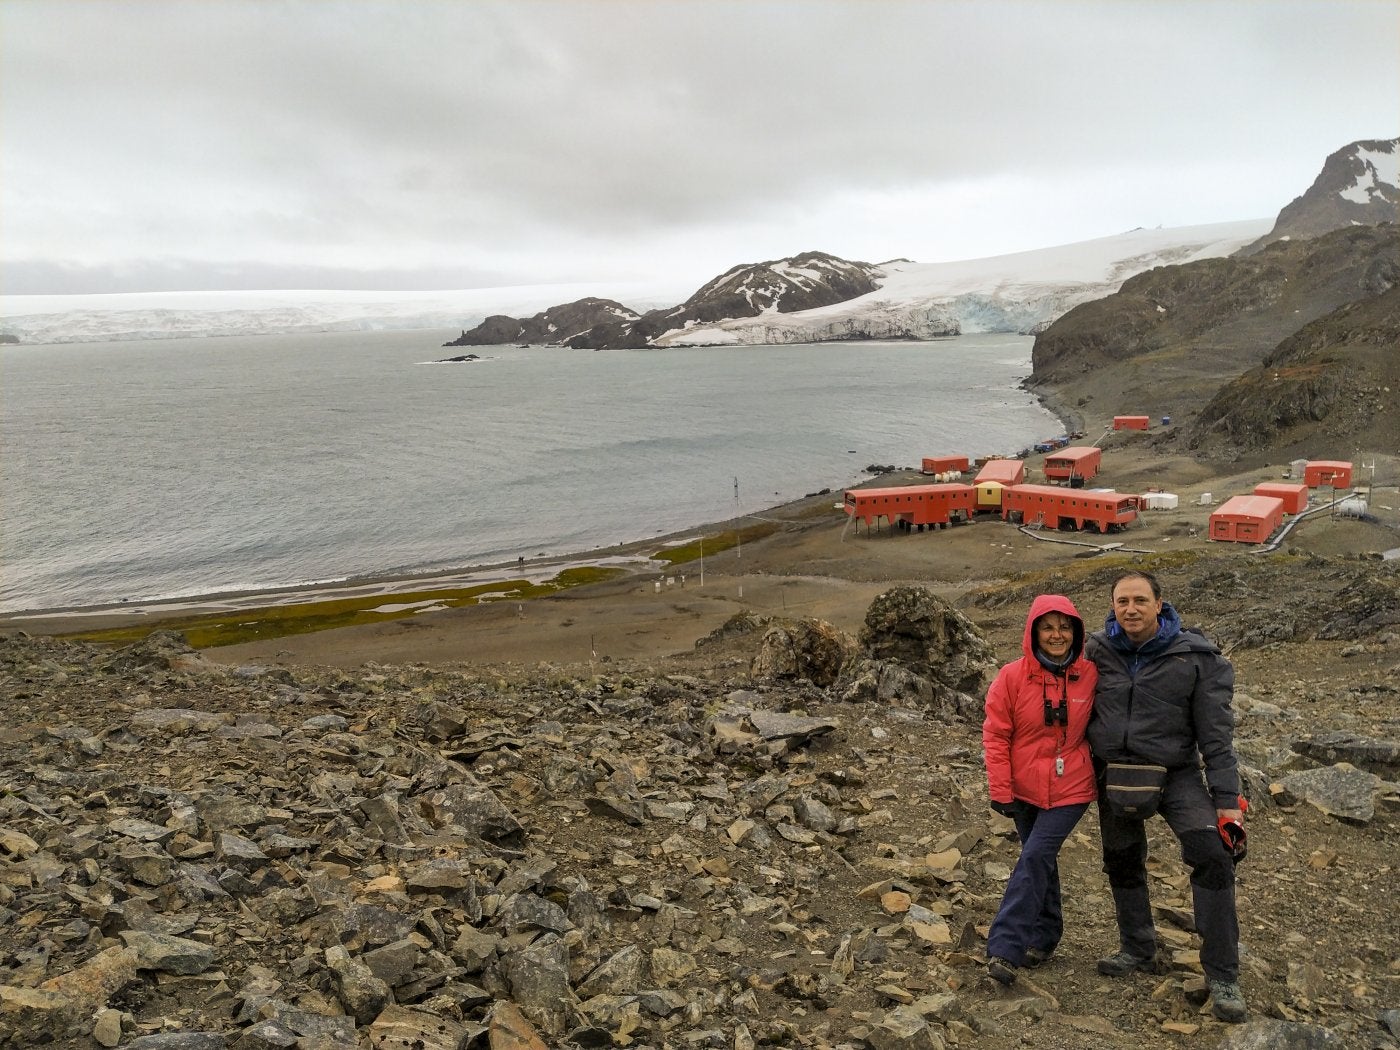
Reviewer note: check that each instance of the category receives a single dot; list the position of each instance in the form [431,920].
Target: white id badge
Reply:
[1059,766]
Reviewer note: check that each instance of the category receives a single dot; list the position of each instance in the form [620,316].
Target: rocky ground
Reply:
[778,836]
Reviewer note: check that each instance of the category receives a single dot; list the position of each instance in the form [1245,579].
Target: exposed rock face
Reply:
[1206,323]
[1331,384]
[1359,185]
[807,650]
[782,286]
[914,649]
[917,650]
[555,326]
[913,627]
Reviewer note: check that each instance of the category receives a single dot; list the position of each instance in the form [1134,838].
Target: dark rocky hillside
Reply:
[1335,383]
[803,282]
[556,325]
[1167,341]
[1351,189]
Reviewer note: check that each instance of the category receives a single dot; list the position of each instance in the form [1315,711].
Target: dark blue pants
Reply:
[1190,813]
[1030,915]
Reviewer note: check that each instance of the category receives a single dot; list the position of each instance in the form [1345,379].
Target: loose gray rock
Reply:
[361,993]
[539,984]
[1341,790]
[154,951]
[904,1028]
[1381,757]
[1269,1034]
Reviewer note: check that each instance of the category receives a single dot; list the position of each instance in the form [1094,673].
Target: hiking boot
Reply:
[1036,957]
[1124,963]
[1227,1001]
[1001,970]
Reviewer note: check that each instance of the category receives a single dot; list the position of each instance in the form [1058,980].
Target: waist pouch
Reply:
[1133,791]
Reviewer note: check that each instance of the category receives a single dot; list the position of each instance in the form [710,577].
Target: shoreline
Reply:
[635,557]
[808,563]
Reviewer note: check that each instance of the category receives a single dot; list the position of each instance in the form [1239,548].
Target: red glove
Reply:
[1232,833]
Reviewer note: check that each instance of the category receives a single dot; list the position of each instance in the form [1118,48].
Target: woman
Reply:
[1038,774]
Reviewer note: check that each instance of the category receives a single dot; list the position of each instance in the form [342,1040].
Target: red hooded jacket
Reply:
[1019,748]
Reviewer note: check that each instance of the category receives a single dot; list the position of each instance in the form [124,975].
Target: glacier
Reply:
[1006,293]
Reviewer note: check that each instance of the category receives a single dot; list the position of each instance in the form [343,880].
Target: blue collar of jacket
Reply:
[1168,627]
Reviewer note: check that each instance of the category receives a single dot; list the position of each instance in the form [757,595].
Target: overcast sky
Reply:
[430,144]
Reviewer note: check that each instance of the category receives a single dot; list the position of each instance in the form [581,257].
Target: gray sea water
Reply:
[179,467]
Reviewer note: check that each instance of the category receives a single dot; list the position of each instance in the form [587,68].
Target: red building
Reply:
[1076,462]
[1293,494]
[1059,508]
[1247,519]
[1131,422]
[912,506]
[944,464]
[1002,471]
[1333,472]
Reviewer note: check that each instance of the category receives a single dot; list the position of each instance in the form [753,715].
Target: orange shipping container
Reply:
[1293,494]
[1333,472]
[1247,519]
[943,464]
[1131,422]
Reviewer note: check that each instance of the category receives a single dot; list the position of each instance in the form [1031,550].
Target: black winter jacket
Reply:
[1174,711]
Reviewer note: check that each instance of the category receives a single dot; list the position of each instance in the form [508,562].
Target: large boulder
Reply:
[918,651]
[808,650]
[918,630]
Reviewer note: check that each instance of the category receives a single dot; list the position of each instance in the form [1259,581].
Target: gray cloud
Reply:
[603,139]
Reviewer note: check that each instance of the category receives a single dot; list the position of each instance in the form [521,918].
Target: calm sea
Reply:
[179,467]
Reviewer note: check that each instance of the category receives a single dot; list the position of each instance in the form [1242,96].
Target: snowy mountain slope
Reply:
[1002,293]
[781,286]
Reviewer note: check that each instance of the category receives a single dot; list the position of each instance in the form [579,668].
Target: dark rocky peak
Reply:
[555,326]
[1359,185]
[802,282]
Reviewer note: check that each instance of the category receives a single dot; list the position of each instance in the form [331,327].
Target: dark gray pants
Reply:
[1190,813]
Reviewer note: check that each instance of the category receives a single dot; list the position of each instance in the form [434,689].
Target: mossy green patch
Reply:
[211,630]
[714,543]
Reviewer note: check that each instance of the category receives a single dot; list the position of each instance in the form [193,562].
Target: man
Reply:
[1164,698]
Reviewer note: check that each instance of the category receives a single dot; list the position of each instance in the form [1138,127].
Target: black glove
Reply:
[1007,809]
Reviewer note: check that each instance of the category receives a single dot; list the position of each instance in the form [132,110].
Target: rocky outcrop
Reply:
[1330,384]
[1359,185]
[918,650]
[779,286]
[806,650]
[555,326]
